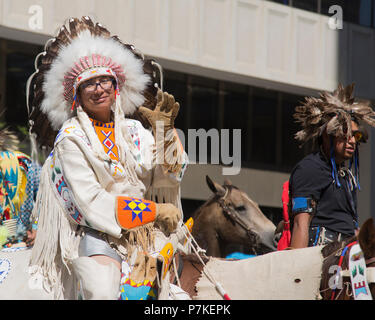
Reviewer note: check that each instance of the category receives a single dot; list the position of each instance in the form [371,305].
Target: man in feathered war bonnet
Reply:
[323,185]
[109,194]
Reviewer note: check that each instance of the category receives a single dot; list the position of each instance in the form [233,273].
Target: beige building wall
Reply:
[254,42]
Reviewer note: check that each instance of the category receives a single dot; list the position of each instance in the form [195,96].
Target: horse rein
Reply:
[232,214]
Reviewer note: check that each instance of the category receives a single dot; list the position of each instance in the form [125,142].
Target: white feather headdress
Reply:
[73,52]
[59,98]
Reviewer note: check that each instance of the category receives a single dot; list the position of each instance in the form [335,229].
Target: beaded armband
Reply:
[133,212]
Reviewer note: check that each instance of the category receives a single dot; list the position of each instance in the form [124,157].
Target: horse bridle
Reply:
[232,215]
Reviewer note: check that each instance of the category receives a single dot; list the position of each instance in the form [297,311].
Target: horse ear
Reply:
[227,182]
[215,187]
[366,238]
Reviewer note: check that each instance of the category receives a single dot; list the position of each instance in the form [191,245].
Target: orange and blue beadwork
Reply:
[106,134]
[133,212]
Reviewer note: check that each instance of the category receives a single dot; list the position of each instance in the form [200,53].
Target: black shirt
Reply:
[336,206]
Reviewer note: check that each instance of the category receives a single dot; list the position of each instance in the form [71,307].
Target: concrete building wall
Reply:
[252,38]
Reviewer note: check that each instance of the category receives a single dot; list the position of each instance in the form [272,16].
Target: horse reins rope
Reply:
[205,270]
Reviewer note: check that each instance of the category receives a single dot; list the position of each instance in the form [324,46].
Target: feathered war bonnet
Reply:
[333,113]
[80,51]
[77,53]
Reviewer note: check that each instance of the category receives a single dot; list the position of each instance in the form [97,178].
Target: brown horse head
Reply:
[230,219]
[332,252]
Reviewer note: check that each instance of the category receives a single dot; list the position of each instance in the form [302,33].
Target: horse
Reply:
[287,274]
[336,251]
[301,274]
[230,220]
[238,219]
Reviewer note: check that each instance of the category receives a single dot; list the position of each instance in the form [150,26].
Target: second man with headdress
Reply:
[324,185]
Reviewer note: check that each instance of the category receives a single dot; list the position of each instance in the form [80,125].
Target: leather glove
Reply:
[167,217]
[166,110]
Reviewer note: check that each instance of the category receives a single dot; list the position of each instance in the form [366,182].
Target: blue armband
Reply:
[302,204]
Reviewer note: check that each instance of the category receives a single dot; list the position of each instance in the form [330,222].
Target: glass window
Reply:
[263,131]
[326,4]
[204,105]
[286,2]
[358,11]
[203,114]
[175,84]
[272,213]
[190,206]
[365,12]
[291,153]
[19,65]
[236,114]
[207,104]
[310,5]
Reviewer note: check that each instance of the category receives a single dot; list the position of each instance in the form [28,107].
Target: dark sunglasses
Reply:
[358,135]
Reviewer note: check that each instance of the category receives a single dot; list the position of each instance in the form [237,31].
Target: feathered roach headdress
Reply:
[73,56]
[333,112]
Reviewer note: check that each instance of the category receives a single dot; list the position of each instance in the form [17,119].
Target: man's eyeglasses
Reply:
[91,87]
